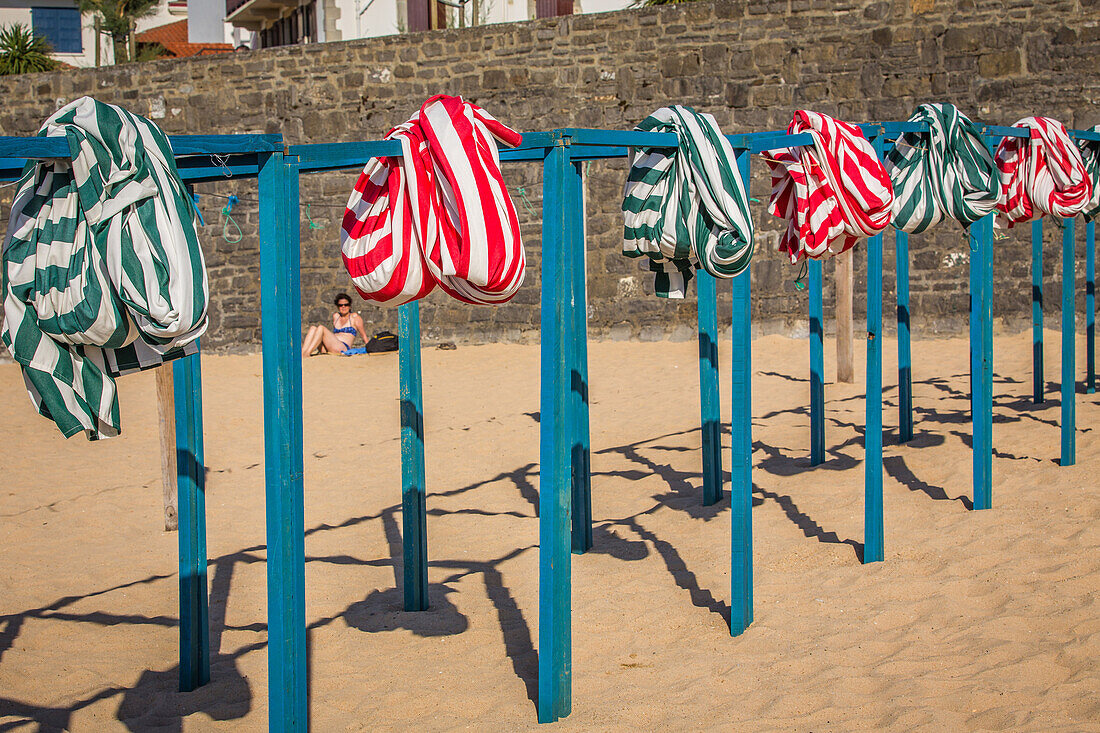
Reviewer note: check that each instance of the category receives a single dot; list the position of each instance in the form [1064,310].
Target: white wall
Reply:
[205,21]
[19,11]
[160,17]
[163,17]
[380,18]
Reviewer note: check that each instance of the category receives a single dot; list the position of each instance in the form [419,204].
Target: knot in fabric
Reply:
[1090,155]
[103,273]
[438,215]
[946,171]
[832,192]
[1041,174]
[686,208]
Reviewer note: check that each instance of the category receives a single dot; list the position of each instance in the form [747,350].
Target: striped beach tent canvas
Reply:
[1041,174]
[438,215]
[102,269]
[831,193]
[686,208]
[946,172]
[1090,156]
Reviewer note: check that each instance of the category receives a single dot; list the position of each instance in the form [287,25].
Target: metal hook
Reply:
[221,161]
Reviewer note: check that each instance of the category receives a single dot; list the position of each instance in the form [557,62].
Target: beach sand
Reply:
[975,621]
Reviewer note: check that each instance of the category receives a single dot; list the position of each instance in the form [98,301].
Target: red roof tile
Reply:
[173,36]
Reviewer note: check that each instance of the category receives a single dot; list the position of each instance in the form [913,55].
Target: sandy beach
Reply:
[975,621]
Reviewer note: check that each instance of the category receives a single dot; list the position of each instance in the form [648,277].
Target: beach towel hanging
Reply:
[438,215]
[103,274]
[1090,155]
[686,208]
[945,172]
[831,193]
[1041,174]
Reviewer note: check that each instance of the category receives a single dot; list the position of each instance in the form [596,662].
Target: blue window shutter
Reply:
[59,26]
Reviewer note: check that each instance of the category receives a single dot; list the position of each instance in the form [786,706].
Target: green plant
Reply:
[151,52]
[22,52]
[118,18]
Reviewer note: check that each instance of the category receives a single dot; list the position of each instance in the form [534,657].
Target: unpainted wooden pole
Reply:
[845,282]
[166,412]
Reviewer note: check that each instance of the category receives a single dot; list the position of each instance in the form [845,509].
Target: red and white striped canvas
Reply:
[1041,174]
[831,193]
[438,215]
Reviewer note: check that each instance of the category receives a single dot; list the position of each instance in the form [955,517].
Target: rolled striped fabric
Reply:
[1041,174]
[945,172]
[686,208]
[831,193]
[103,273]
[438,215]
[1090,155]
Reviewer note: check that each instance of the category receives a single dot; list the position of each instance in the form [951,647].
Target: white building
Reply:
[286,22]
[266,23]
[59,21]
[73,36]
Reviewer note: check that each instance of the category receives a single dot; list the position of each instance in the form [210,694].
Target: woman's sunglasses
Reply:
[343,305]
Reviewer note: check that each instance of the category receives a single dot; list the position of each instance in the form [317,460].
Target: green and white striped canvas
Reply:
[102,270]
[1090,153]
[946,172]
[686,208]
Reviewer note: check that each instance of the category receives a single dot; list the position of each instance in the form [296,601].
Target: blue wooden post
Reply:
[555,642]
[413,486]
[1069,351]
[983,438]
[578,358]
[975,240]
[741,441]
[1037,384]
[872,478]
[1090,307]
[191,498]
[905,355]
[710,417]
[817,367]
[280,305]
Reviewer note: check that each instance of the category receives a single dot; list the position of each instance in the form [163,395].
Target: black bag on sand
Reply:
[382,341]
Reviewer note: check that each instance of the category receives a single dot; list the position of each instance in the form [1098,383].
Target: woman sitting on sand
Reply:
[345,325]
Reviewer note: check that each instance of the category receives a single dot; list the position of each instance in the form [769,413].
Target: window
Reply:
[426,15]
[59,26]
[552,8]
[298,27]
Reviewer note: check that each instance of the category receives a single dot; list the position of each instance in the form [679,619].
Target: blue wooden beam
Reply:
[1090,306]
[817,367]
[1069,350]
[182,145]
[578,359]
[191,498]
[280,304]
[1038,386]
[872,477]
[905,354]
[414,535]
[555,485]
[741,613]
[710,414]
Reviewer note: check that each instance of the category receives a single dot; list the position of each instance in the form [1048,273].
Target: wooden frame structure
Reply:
[981,237]
[565,478]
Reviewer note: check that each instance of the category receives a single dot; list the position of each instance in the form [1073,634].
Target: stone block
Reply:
[999,64]
[964,39]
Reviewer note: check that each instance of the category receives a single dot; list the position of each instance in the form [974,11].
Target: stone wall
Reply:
[751,63]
